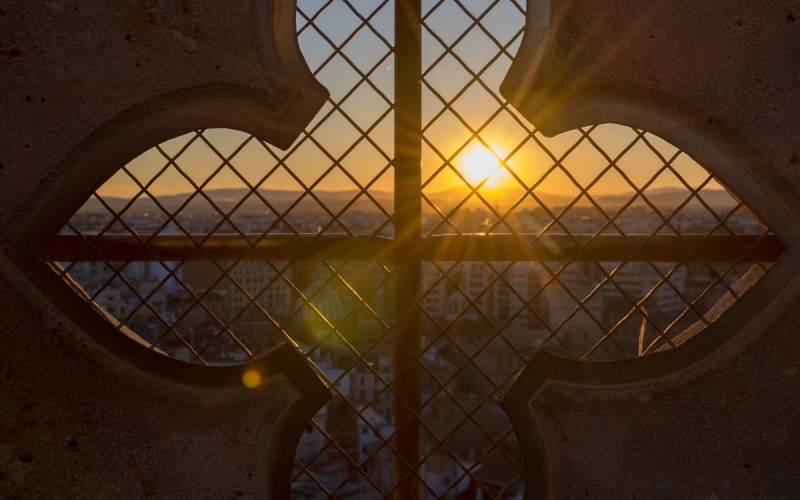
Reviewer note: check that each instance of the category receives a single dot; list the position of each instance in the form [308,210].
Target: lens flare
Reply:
[251,379]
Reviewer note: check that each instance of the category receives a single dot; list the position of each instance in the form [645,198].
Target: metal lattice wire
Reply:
[579,307]
[601,243]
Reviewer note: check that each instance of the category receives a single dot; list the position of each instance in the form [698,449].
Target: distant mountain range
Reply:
[226,199]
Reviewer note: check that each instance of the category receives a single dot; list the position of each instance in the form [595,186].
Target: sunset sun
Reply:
[481,165]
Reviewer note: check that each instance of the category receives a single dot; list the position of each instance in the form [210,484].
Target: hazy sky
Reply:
[446,76]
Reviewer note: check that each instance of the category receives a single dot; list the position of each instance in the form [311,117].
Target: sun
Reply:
[482,164]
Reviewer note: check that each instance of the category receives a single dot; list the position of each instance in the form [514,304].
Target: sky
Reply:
[446,137]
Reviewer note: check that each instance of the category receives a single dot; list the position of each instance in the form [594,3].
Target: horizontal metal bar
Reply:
[496,247]
[606,248]
[223,247]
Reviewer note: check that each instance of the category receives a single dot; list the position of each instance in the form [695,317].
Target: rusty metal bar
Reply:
[491,247]
[222,248]
[408,219]
[605,248]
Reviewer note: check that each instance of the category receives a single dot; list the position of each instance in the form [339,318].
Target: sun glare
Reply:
[481,165]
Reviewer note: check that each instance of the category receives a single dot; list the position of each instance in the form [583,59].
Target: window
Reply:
[421,232]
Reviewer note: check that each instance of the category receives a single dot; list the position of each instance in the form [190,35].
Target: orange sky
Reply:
[529,163]
[449,73]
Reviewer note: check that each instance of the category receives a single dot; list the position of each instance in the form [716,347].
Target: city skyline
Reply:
[476,163]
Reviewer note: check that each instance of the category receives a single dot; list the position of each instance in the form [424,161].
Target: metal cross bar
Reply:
[491,247]
[408,181]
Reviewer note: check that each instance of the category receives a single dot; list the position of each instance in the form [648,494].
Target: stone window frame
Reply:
[137,129]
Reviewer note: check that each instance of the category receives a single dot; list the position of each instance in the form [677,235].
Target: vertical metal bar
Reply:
[407,207]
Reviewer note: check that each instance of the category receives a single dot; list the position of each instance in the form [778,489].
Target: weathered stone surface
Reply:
[724,67]
[75,420]
[69,67]
[726,425]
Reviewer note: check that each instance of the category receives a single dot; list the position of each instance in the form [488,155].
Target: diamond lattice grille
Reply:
[602,243]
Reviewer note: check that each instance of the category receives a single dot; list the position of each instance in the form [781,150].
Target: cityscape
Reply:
[481,320]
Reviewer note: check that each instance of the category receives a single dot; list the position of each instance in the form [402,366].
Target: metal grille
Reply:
[416,293]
